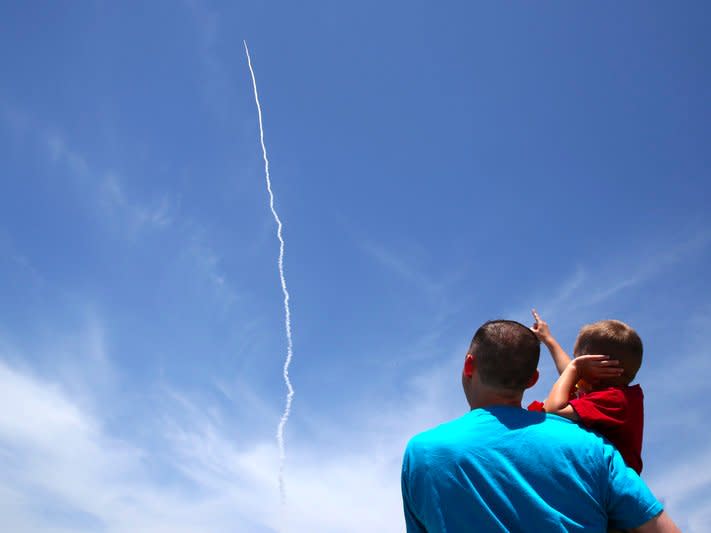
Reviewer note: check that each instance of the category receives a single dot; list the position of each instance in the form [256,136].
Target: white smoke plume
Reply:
[287,311]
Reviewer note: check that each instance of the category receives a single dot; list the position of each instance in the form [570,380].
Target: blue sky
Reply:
[435,166]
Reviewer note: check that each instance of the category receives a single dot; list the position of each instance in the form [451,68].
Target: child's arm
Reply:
[543,332]
[592,368]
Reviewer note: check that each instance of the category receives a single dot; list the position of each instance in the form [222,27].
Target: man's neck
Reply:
[491,398]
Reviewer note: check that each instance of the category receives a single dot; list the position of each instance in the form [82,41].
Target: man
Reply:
[502,468]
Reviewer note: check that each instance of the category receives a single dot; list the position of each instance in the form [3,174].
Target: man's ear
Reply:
[533,380]
[469,364]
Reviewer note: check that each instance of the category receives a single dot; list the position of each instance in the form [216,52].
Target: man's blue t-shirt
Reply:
[506,469]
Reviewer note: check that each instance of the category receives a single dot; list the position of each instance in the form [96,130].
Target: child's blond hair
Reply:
[613,338]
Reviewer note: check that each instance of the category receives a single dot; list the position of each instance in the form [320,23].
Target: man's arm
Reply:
[412,523]
[629,503]
[543,332]
[661,523]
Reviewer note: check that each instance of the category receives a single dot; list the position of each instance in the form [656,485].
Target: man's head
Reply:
[616,339]
[501,360]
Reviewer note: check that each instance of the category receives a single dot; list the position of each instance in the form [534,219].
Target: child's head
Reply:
[616,339]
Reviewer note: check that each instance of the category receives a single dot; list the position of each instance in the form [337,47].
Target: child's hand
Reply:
[540,328]
[596,368]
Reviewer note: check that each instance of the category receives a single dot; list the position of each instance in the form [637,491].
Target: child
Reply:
[594,390]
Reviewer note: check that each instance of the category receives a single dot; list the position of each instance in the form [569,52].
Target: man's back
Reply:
[507,469]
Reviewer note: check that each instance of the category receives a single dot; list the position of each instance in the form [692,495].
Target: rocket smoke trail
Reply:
[287,312]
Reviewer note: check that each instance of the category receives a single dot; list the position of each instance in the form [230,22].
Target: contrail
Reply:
[287,311]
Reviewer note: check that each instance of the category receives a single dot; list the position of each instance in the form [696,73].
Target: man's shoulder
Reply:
[531,443]
[446,437]
[481,425]
[439,433]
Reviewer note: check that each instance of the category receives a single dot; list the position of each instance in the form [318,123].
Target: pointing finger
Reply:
[535,315]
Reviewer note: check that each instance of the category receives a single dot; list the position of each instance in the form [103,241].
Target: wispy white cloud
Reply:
[107,195]
[434,292]
[215,80]
[590,285]
[207,23]
[59,152]
[403,265]
[207,262]
[57,454]
[63,469]
[685,488]
[106,191]
[10,253]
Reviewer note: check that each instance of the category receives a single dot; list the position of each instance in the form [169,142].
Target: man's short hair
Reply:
[613,338]
[507,354]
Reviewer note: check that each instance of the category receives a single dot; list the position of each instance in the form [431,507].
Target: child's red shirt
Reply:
[617,413]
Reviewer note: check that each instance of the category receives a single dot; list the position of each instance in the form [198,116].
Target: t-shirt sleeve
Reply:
[601,409]
[630,503]
[412,523]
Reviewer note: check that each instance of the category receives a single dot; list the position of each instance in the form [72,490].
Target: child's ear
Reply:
[533,380]
[469,364]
